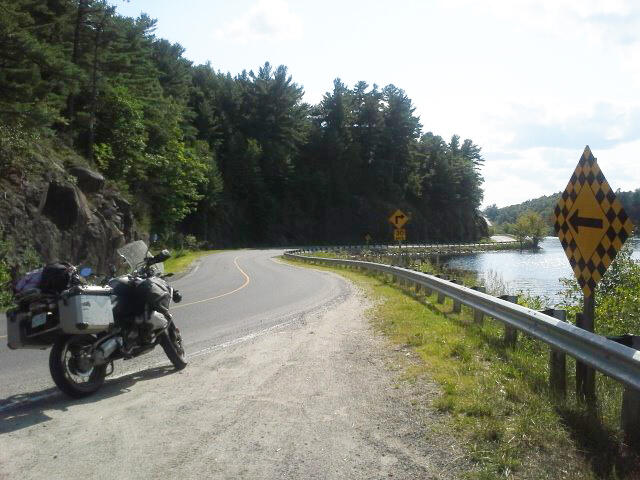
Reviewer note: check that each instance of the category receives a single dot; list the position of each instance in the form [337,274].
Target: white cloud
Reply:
[513,176]
[603,124]
[610,20]
[266,20]
[612,26]
[517,175]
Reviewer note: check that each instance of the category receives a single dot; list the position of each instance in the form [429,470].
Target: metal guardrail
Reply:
[412,246]
[610,358]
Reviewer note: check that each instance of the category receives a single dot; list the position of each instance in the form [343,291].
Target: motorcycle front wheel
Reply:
[171,342]
[71,367]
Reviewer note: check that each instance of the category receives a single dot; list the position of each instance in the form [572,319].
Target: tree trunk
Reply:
[82,11]
[94,84]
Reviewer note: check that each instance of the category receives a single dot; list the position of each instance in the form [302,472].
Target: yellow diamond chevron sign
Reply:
[591,223]
[398,219]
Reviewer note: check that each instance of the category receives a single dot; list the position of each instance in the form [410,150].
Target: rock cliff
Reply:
[64,211]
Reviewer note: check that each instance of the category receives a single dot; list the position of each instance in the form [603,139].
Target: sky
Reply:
[530,81]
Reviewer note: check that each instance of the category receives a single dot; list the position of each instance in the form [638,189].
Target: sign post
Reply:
[586,376]
[592,227]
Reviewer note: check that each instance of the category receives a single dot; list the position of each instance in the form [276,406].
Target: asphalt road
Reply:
[229,296]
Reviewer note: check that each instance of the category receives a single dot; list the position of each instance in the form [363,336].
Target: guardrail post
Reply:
[630,415]
[557,361]
[457,306]
[510,333]
[478,316]
[441,295]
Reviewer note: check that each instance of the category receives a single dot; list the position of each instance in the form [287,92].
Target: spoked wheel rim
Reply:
[77,366]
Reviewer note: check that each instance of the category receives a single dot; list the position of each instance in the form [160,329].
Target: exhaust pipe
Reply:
[103,352]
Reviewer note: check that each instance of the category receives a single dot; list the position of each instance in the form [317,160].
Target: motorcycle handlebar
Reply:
[160,257]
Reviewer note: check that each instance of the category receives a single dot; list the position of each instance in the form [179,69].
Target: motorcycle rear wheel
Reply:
[71,368]
[171,342]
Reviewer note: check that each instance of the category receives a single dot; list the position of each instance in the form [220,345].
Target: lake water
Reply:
[536,272]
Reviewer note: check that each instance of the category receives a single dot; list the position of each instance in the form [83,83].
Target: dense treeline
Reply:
[232,159]
[545,205]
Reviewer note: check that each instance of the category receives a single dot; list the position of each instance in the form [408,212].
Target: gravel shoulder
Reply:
[321,398]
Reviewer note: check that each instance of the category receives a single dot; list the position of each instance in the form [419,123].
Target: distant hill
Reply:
[544,206]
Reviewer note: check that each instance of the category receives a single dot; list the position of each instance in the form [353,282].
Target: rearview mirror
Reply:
[153,238]
[162,256]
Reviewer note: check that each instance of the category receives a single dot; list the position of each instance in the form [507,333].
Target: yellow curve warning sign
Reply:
[591,223]
[398,219]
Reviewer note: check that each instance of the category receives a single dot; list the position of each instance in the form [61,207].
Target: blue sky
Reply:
[530,81]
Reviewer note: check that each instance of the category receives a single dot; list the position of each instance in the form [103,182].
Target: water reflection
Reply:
[536,272]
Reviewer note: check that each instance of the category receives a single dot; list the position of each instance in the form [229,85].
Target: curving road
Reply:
[229,296]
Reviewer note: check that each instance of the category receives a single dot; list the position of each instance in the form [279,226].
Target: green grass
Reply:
[326,255]
[181,260]
[496,398]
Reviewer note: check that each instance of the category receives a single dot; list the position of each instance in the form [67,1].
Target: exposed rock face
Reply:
[63,206]
[82,224]
[88,180]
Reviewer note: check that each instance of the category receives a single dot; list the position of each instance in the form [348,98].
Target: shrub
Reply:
[191,242]
[5,286]
[617,296]
[14,146]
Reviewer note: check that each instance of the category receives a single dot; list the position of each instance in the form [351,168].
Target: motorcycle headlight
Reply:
[177,296]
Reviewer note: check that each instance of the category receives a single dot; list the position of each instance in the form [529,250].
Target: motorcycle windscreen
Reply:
[135,252]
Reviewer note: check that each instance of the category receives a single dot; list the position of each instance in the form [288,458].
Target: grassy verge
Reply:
[497,398]
[182,260]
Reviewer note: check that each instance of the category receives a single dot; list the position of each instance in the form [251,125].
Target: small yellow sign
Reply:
[591,223]
[400,234]
[398,219]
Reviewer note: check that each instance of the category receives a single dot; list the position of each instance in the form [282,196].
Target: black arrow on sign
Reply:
[577,221]
[398,218]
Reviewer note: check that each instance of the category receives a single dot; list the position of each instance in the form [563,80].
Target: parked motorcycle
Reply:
[89,326]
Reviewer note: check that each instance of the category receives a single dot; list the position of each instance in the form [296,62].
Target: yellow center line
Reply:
[247,280]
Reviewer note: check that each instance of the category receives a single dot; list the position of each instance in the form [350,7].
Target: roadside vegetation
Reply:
[617,296]
[181,260]
[29,259]
[530,226]
[497,398]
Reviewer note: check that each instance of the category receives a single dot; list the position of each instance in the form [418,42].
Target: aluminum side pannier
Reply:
[86,309]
